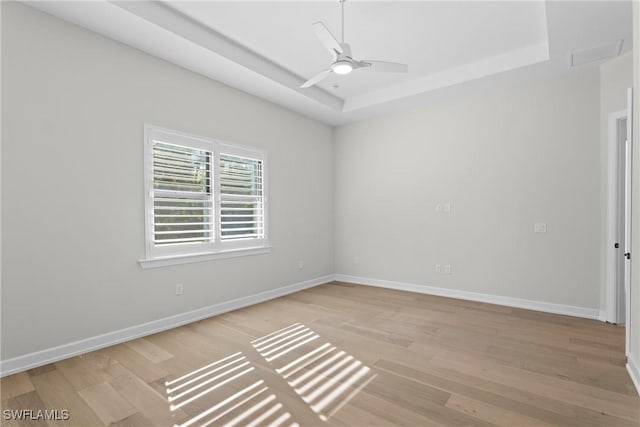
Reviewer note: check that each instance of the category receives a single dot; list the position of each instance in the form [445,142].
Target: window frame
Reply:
[212,249]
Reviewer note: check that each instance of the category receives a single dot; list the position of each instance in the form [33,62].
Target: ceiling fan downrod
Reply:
[342,4]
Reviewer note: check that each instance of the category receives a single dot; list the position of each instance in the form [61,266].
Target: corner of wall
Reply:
[634,324]
[634,372]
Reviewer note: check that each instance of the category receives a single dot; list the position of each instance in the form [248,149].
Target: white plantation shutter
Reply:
[203,196]
[183,200]
[241,198]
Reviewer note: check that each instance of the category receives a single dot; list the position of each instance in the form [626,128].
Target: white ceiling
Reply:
[269,48]
[430,36]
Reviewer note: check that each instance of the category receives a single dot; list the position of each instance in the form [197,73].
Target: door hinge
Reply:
[627,255]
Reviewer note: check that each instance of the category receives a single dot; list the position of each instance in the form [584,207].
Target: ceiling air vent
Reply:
[595,54]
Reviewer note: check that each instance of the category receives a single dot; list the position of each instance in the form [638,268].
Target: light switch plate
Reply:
[540,227]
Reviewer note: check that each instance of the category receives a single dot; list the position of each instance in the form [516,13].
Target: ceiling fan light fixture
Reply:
[344,62]
[342,67]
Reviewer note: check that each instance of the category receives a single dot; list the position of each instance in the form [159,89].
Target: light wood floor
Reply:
[350,355]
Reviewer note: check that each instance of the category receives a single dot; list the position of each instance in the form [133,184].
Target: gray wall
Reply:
[504,160]
[74,105]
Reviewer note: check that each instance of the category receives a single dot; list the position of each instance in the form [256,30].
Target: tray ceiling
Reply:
[269,49]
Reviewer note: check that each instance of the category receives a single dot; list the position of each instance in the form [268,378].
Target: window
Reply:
[203,196]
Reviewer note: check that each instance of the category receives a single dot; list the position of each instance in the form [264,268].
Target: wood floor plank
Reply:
[81,373]
[135,420]
[133,361]
[392,338]
[15,385]
[421,399]
[107,403]
[41,370]
[433,361]
[366,348]
[58,394]
[569,392]
[30,401]
[505,397]
[386,412]
[184,355]
[151,404]
[589,417]
[491,413]
[146,348]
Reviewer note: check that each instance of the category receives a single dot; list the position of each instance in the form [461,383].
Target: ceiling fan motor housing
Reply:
[344,63]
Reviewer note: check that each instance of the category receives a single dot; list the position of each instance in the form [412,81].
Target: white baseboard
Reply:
[569,310]
[43,357]
[602,316]
[634,372]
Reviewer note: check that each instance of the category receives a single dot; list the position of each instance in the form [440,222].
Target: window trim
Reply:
[201,257]
[159,255]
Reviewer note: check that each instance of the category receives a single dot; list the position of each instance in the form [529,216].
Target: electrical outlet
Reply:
[300,264]
[447,207]
[447,269]
[179,289]
[438,268]
[439,207]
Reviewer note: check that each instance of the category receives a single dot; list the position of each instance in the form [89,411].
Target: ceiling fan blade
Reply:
[384,67]
[327,38]
[315,79]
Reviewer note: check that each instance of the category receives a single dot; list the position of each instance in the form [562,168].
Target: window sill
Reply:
[189,258]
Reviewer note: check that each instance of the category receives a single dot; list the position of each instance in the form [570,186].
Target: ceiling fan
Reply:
[343,60]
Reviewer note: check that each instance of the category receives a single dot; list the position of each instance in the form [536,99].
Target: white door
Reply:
[621,209]
[627,213]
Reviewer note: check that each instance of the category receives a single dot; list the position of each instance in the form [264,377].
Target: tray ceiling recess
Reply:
[269,49]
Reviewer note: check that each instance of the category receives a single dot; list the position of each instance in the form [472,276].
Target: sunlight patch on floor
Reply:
[323,376]
[239,396]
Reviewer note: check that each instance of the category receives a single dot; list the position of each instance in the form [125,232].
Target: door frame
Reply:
[613,215]
[628,218]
